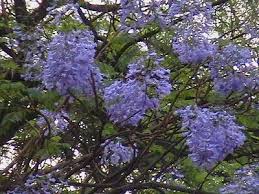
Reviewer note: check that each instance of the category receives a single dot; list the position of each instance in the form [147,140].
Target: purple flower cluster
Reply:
[190,10]
[173,172]
[70,64]
[37,184]
[33,44]
[157,77]
[36,43]
[191,41]
[135,14]
[58,13]
[253,31]
[232,69]
[115,153]
[192,47]
[57,120]
[211,135]
[128,100]
[246,181]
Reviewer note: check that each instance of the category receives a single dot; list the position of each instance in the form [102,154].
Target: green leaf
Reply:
[70,24]
[12,88]
[251,121]
[9,65]
[108,129]
[56,138]
[157,149]
[107,69]
[47,99]
[12,119]
[52,147]
[193,174]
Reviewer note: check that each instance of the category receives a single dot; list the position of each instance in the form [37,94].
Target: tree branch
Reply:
[100,8]
[38,14]
[21,13]
[155,185]
[131,43]
[8,51]
[219,2]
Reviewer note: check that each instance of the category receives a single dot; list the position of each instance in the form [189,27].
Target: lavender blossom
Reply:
[58,13]
[36,43]
[57,121]
[33,44]
[246,181]
[38,184]
[190,11]
[127,101]
[211,136]
[253,31]
[193,47]
[232,70]
[141,13]
[157,77]
[70,64]
[136,14]
[115,153]
[191,41]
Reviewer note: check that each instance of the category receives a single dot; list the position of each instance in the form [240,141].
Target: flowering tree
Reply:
[136,96]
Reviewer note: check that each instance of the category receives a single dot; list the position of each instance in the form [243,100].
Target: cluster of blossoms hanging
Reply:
[35,54]
[232,70]
[128,100]
[192,47]
[191,41]
[57,13]
[135,15]
[141,13]
[253,32]
[115,153]
[56,121]
[33,43]
[70,64]
[231,66]
[246,181]
[38,184]
[211,135]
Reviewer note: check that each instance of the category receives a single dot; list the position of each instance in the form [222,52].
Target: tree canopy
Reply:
[129,96]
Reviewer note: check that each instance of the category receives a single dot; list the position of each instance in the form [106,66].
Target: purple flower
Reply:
[246,181]
[141,13]
[211,136]
[57,120]
[127,101]
[70,64]
[34,45]
[115,153]
[232,70]
[38,184]
[193,48]
[190,10]
[253,31]
[58,13]
[191,41]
